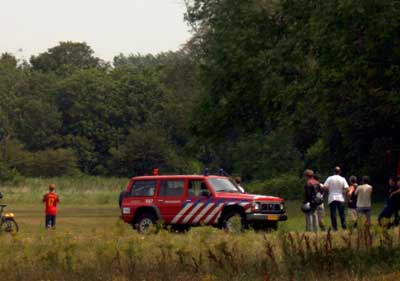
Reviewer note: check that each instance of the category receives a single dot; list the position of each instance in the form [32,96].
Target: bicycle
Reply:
[7,221]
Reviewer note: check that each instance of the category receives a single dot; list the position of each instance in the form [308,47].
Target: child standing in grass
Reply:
[50,200]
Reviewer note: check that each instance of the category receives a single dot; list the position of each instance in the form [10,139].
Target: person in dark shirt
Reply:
[321,207]
[309,198]
[395,201]
[352,199]
[387,209]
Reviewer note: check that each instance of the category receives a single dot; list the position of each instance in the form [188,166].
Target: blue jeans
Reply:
[50,221]
[340,206]
[312,221]
[386,212]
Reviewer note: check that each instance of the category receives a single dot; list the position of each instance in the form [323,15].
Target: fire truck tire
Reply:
[145,223]
[233,221]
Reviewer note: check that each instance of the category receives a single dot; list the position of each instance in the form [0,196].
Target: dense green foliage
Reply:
[326,73]
[67,111]
[263,89]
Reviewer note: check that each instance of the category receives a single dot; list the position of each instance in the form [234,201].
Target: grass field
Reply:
[91,243]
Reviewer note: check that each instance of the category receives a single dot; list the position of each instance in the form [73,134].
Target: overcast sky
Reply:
[110,27]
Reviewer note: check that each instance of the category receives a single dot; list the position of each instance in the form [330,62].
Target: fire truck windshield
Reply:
[223,185]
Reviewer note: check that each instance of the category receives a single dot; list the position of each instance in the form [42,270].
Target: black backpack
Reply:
[318,197]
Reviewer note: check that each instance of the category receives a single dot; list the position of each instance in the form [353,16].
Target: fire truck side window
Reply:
[143,188]
[172,188]
[196,187]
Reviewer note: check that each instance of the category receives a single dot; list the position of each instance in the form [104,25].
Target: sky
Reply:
[110,27]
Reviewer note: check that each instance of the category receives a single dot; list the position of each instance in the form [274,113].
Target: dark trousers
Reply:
[50,221]
[388,210]
[340,207]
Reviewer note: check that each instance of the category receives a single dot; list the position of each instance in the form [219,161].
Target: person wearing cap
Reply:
[309,198]
[336,185]
[51,199]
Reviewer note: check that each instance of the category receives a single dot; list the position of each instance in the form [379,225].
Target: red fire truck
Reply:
[192,200]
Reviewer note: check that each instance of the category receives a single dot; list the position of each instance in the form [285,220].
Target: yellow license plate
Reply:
[273,217]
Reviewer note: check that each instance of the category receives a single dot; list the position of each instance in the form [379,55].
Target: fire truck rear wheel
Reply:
[145,223]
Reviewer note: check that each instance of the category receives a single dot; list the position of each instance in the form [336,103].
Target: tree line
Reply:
[67,111]
[263,89]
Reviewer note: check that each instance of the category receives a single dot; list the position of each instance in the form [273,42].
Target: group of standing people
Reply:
[357,196]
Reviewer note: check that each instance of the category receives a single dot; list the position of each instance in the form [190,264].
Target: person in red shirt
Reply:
[50,199]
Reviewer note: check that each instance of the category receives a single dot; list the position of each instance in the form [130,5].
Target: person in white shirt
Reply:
[363,193]
[336,185]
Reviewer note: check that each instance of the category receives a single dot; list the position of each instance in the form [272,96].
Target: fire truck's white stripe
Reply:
[178,216]
[217,218]
[203,212]
[219,215]
[210,216]
[192,212]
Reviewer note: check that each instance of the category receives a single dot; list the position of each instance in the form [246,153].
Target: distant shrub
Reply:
[17,161]
[289,187]
[9,176]
[51,163]
[257,157]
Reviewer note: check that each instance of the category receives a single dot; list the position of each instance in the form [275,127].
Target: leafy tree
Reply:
[90,111]
[65,58]
[144,150]
[316,69]
[38,121]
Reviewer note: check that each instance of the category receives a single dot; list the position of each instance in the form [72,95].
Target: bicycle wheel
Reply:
[9,226]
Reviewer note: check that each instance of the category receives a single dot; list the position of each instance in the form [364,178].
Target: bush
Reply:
[45,163]
[51,163]
[9,176]
[266,156]
[144,150]
[286,186]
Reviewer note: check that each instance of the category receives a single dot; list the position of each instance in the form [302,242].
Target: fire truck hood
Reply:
[246,196]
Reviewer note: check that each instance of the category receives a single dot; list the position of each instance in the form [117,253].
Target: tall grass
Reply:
[74,190]
[202,254]
[90,245]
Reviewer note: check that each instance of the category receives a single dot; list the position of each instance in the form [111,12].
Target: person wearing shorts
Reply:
[363,193]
